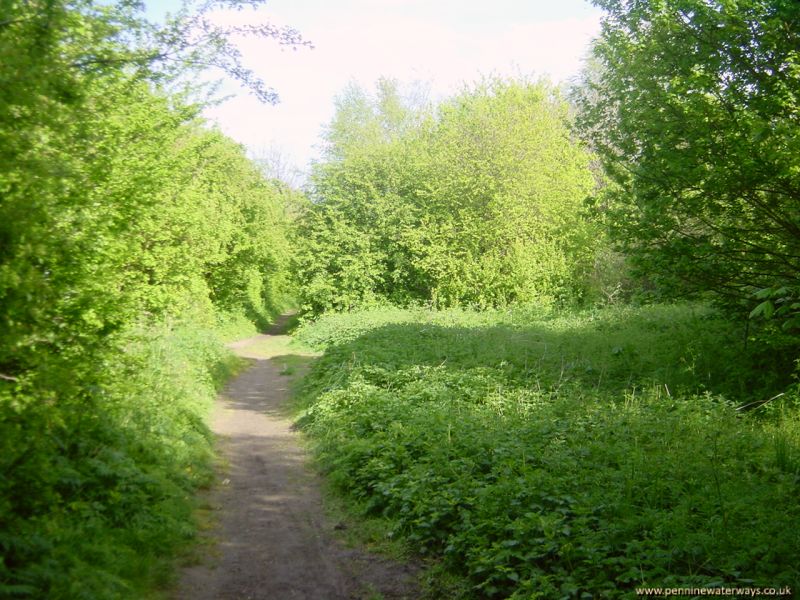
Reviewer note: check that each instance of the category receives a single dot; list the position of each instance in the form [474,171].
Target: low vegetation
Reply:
[102,488]
[545,456]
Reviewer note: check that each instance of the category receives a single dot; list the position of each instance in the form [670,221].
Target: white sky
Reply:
[442,42]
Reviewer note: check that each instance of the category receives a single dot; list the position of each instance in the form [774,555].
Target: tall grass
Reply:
[562,456]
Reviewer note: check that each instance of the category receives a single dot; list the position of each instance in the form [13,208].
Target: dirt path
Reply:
[273,540]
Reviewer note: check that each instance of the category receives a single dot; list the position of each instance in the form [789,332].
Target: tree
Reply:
[506,185]
[121,220]
[362,123]
[695,113]
[84,126]
[479,202]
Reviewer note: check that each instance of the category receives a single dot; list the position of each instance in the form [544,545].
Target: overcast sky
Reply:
[441,42]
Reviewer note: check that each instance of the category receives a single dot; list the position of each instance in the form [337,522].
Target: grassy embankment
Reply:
[562,456]
[110,502]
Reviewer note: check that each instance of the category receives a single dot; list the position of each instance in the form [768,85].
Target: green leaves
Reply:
[478,203]
[121,220]
[781,303]
[488,446]
[692,108]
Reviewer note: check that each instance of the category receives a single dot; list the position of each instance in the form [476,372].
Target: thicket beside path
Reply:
[273,541]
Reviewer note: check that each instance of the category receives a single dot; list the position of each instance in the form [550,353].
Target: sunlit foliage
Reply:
[479,201]
[560,456]
[128,234]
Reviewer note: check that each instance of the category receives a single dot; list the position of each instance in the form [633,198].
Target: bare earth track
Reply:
[273,541]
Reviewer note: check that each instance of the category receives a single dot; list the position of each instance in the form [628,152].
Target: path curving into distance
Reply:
[272,538]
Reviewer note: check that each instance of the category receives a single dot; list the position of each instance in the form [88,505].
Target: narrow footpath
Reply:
[272,538]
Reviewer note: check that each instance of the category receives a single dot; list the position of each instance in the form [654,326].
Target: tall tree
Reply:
[363,123]
[120,219]
[478,202]
[695,112]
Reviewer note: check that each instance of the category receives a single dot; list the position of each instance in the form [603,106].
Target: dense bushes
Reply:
[97,486]
[555,457]
[479,202]
[692,108]
[128,232]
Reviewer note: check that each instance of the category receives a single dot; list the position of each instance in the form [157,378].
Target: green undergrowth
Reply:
[235,326]
[548,456]
[98,486]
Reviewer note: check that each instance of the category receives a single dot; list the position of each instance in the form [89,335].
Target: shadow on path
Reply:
[272,538]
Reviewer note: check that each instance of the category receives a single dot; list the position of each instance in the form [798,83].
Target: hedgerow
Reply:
[129,234]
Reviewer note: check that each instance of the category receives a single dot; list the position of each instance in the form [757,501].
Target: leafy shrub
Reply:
[97,488]
[559,457]
[124,226]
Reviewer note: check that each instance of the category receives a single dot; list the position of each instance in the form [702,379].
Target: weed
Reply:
[558,456]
